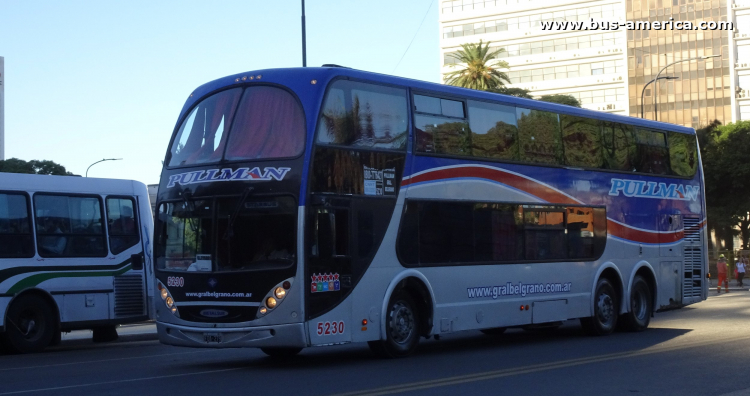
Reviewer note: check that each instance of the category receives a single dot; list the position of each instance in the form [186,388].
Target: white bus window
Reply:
[494,131]
[683,154]
[69,226]
[15,227]
[582,140]
[123,228]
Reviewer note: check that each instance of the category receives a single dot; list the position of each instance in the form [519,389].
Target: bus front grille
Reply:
[129,299]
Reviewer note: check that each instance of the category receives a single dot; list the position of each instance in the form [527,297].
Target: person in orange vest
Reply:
[721,269]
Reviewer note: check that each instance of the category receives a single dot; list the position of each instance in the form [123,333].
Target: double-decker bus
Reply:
[75,253]
[317,206]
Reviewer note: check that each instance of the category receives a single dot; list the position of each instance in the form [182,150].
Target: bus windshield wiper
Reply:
[230,225]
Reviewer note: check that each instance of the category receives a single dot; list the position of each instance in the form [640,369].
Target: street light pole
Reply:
[102,160]
[656,100]
[304,44]
[649,83]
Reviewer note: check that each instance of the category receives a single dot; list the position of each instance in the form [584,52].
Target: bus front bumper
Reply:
[288,335]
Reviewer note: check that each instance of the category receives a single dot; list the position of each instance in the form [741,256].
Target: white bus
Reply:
[75,253]
[316,206]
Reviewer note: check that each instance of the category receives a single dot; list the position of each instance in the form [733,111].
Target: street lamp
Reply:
[102,160]
[648,83]
[304,45]
[656,100]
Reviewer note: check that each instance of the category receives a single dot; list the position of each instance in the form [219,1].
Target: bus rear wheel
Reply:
[640,306]
[280,353]
[401,327]
[30,325]
[606,307]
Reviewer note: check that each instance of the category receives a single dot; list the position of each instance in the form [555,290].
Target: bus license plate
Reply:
[212,338]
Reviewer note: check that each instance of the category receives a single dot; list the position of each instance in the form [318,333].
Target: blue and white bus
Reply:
[318,206]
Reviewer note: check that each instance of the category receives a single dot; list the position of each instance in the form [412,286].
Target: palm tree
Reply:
[482,70]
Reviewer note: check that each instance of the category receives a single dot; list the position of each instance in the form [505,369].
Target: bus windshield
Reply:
[268,123]
[227,234]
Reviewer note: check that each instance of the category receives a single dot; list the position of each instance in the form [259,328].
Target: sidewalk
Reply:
[733,288]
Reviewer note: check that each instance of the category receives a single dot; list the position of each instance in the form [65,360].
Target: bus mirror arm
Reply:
[136,261]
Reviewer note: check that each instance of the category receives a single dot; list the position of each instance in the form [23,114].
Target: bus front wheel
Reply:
[30,325]
[606,310]
[279,353]
[401,327]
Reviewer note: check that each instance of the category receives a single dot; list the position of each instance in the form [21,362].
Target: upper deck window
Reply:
[270,123]
[202,136]
[364,115]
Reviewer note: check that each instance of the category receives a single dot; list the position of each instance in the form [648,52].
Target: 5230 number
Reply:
[330,328]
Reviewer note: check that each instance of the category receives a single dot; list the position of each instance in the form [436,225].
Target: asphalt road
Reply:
[699,350]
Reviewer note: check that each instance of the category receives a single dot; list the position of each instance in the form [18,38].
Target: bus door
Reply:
[670,262]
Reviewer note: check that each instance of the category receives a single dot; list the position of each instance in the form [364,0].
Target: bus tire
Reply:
[401,327]
[105,333]
[494,331]
[280,353]
[640,306]
[606,310]
[30,325]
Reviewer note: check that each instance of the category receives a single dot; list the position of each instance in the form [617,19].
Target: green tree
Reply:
[517,92]
[43,167]
[727,177]
[481,69]
[561,99]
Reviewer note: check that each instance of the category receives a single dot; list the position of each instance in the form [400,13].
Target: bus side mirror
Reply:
[136,262]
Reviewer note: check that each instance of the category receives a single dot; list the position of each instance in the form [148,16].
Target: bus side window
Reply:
[331,233]
[15,227]
[121,221]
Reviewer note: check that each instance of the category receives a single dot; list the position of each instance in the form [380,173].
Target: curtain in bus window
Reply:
[441,135]
[498,232]
[651,154]
[539,136]
[493,130]
[15,227]
[582,141]
[364,115]
[202,135]
[270,124]
[618,142]
[545,234]
[123,229]
[69,226]
[580,225]
[683,156]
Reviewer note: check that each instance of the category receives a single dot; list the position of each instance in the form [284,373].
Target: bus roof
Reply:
[298,79]
[70,184]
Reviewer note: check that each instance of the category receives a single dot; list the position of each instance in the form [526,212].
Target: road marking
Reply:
[99,361]
[57,388]
[487,375]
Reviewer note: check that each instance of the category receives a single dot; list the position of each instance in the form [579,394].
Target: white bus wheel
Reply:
[280,353]
[606,310]
[401,327]
[640,306]
[30,324]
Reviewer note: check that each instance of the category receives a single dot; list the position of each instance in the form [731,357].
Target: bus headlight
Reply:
[271,302]
[168,300]
[164,294]
[275,297]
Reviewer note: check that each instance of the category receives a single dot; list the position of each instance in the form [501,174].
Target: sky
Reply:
[87,80]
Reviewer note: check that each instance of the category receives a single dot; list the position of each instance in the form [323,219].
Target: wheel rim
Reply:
[30,324]
[402,322]
[605,309]
[638,305]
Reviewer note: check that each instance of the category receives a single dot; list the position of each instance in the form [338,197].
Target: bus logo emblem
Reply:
[228,174]
[325,283]
[643,189]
